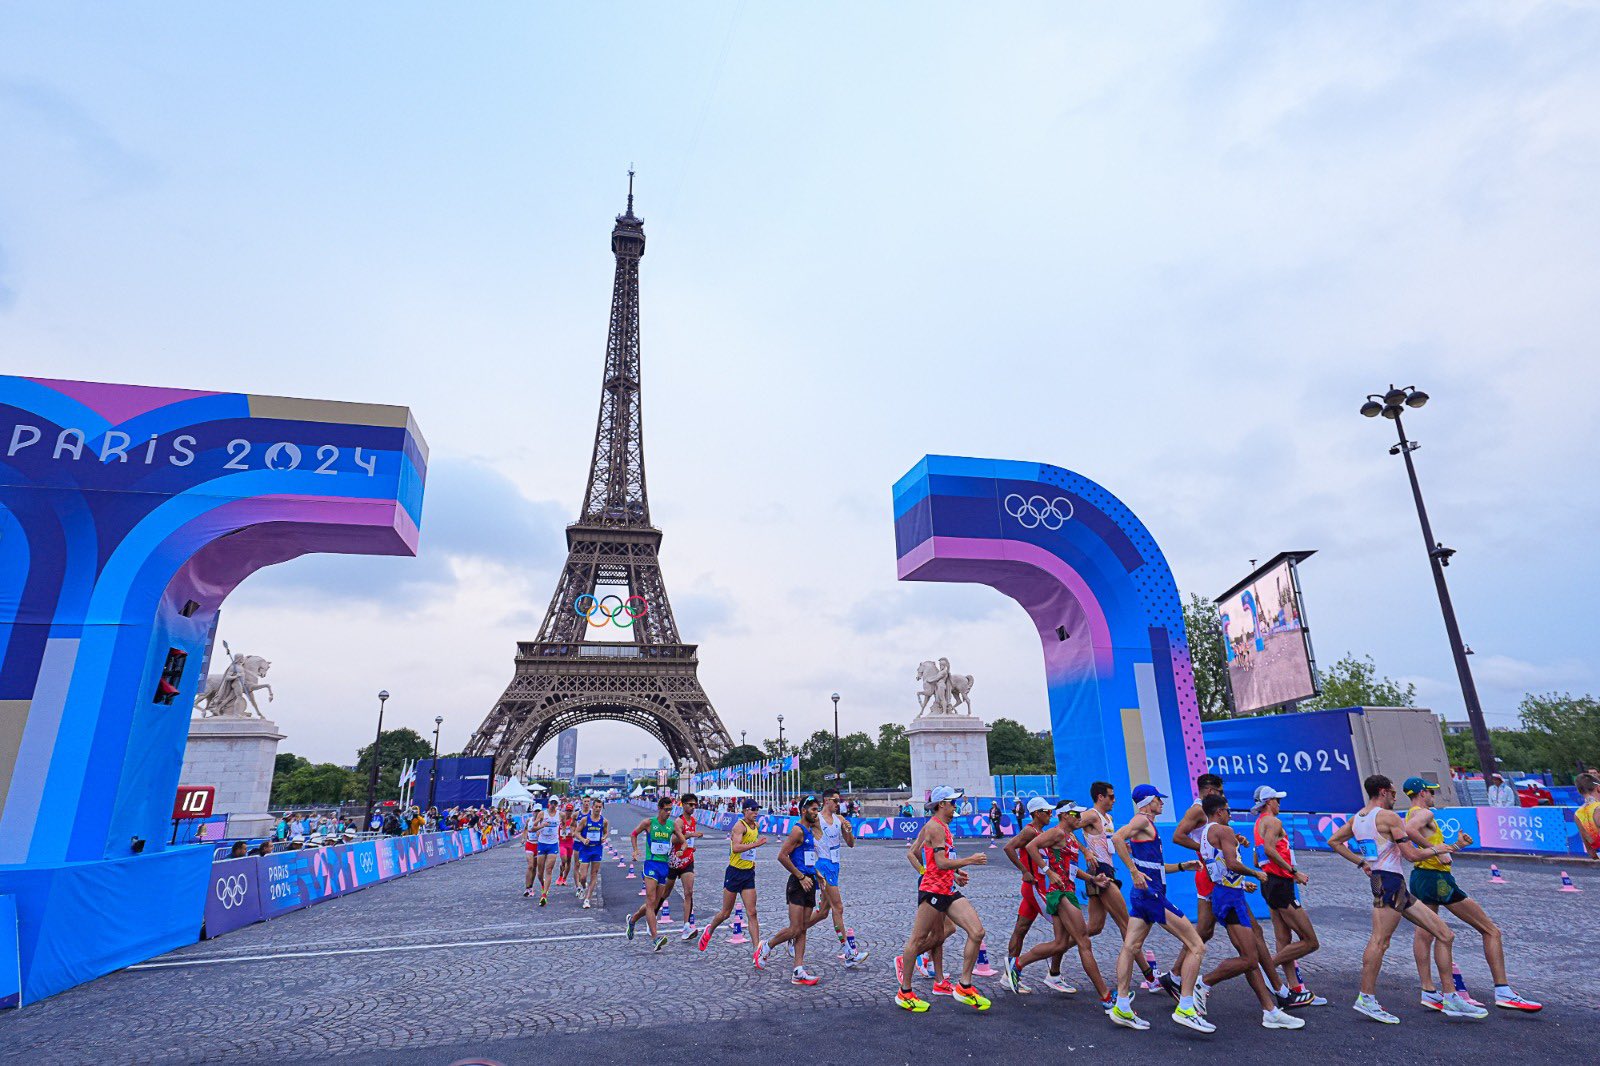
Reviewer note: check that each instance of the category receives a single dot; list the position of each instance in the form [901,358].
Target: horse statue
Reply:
[232,693]
[942,692]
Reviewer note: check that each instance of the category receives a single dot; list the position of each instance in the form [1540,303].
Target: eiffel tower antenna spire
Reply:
[611,586]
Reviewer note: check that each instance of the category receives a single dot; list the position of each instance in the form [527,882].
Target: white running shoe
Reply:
[1370,1006]
[1456,1007]
[763,953]
[689,932]
[1277,1018]
[1191,1019]
[1059,983]
[585,904]
[1128,1020]
[1202,997]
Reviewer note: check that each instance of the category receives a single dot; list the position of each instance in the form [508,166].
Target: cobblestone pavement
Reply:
[452,962]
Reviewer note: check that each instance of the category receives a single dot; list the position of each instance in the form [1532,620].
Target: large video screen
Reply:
[1269,657]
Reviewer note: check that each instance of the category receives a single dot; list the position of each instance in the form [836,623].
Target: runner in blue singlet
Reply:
[592,831]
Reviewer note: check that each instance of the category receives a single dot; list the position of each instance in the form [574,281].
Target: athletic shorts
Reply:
[939,901]
[828,871]
[657,872]
[566,848]
[739,878]
[1389,891]
[1229,906]
[1032,904]
[1436,886]
[1279,893]
[1152,907]
[549,849]
[1054,898]
[530,847]
[679,871]
[1203,884]
[800,896]
[589,854]
[1101,868]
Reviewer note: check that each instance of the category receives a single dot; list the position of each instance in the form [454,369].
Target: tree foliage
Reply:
[1202,623]
[1354,682]
[742,753]
[296,781]
[399,746]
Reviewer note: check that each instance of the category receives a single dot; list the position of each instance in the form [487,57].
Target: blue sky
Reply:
[1171,247]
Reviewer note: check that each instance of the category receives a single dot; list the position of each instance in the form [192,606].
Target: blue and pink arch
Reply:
[1117,669]
[127,515]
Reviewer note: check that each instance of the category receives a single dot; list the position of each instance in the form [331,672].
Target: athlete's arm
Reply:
[1337,844]
[1191,820]
[1229,845]
[914,851]
[1401,834]
[1011,847]
[845,828]
[791,842]
[634,836]
[1041,862]
[1119,842]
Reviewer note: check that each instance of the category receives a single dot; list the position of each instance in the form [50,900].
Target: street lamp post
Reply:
[1390,405]
[838,771]
[377,756]
[433,769]
[780,755]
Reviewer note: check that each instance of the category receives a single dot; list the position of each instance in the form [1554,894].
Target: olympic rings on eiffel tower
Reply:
[633,608]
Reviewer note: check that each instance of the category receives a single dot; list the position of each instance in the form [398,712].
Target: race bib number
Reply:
[660,847]
[810,859]
[594,836]
[1367,848]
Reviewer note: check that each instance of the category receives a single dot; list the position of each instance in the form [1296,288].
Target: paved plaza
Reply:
[452,963]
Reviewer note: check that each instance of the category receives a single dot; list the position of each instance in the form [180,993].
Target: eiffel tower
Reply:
[612,578]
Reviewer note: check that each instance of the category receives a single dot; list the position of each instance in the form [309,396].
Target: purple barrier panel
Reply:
[281,891]
[233,896]
[358,864]
[1535,830]
[434,850]
[873,828]
[409,853]
[385,849]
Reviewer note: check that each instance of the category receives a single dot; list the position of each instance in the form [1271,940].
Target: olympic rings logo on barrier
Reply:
[633,608]
[1035,511]
[231,890]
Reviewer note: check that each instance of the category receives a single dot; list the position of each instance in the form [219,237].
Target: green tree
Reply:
[1566,728]
[1013,749]
[742,753]
[1354,682]
[287,762]
[1202,622]
[1515,749]
[893,754]
[399,746]
[323,784]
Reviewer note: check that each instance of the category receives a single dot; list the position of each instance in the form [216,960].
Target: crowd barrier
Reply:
[1518,830]
[253,889]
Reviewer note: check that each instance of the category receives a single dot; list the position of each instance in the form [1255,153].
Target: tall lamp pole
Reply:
[838,771]
[377,756]
[1390,405]
[433,769]
[780,754]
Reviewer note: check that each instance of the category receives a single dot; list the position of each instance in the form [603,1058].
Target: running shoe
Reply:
[757,961]
[1126,1019]
[910,1001]
[1296,1000]
[628,925]
[899,970]
[944,987]
[763,953]
[1109,1003]
[1277,1019]
[1191,1019]
[1516,1002]
[1456,1007]
[1059,983]
[1202,995]
[585,904]
[688,932]
[923,967]
[1013,979]
[544,899]
[858,957]
[971,997]
[661,941]
[528,894]
[1370,1006]
[1433,1001]
[1170,986]
[705,939]
[802,976]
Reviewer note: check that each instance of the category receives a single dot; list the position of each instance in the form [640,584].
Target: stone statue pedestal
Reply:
[949,749]
[236,755]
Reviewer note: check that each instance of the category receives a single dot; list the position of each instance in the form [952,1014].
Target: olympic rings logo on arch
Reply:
[633,608]
[232,890]
[1032,512]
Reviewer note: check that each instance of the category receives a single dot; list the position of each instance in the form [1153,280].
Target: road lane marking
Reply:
[219,960]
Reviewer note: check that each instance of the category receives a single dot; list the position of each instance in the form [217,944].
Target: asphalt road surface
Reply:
[452,965]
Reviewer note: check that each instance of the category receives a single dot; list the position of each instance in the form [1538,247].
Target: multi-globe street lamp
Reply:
[377,754]
[1391,405]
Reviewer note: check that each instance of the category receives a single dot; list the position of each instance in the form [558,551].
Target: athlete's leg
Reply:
[830,896]
[722,915]
[1019,934]
[965,915]
[1444,939]
[1494,952]
[1132,949]
[527,882]
[1115,904]
[1050,949]
[1072,922]
[798,916]
[1292,922]
[1384,921]
[749,897]
[923,925]
[1422,951]
[1195,949]
[1253,957]
[1205,924]
[687,880]
[591,879]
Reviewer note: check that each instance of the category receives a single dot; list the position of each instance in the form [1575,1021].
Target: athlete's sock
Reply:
[1431,993]
[1186,1003]
[1502,991]
[1282,990]
[1124,1003]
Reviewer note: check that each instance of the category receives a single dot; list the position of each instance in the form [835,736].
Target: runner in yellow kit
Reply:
[1588,831]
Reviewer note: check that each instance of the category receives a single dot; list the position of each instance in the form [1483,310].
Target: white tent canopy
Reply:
[514,791]
[735,792]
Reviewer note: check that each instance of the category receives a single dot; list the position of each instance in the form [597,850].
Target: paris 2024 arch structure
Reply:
[1100,594]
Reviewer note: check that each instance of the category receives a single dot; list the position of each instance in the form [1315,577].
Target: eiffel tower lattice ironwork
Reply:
[613,572]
